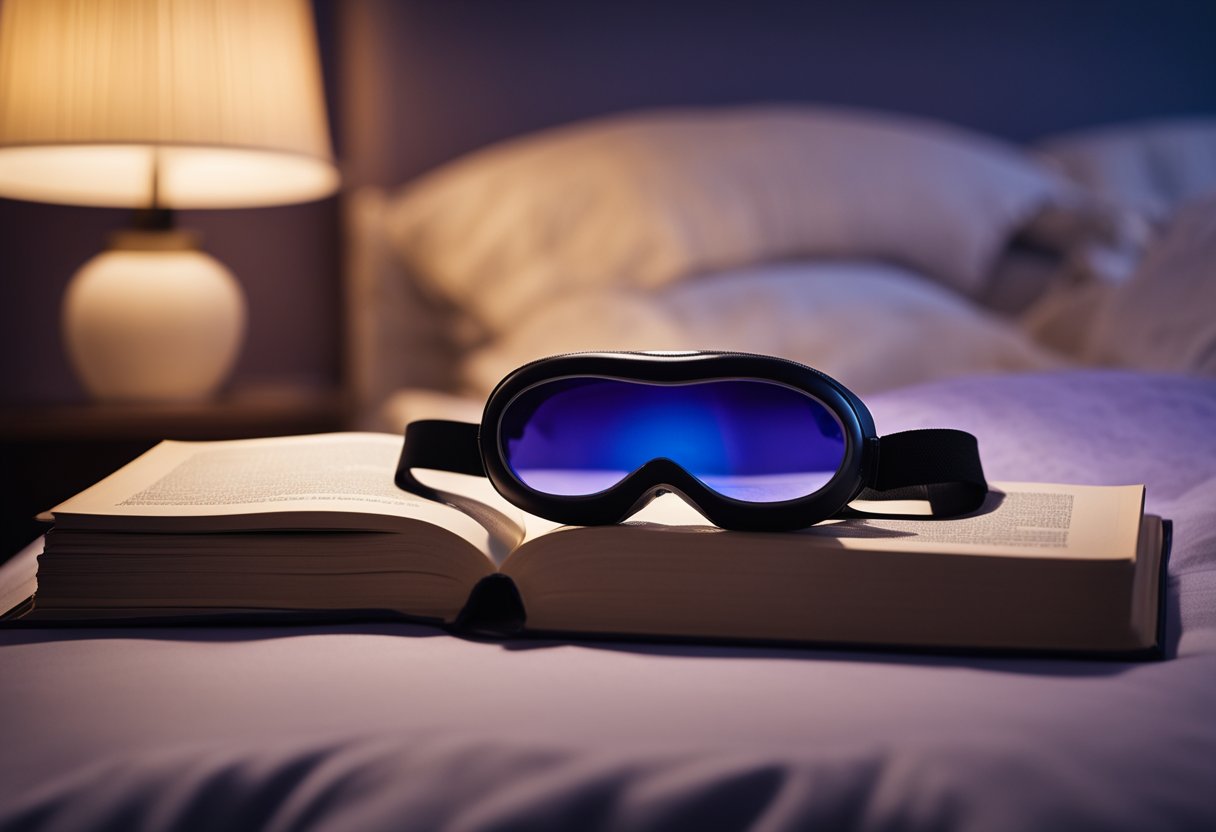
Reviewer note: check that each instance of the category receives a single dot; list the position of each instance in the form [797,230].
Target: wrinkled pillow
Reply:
[640,201]
[1151,166]
[1164,318]
[871,325]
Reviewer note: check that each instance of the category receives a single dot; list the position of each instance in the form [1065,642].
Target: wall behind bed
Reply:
[425,81]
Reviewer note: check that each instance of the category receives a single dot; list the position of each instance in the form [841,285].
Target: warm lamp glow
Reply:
[190,177]
[223,97]
[160,104]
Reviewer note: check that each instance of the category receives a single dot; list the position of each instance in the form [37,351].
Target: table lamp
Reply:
[158,105]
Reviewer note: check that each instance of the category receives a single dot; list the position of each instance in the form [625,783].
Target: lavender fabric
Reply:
[403,727]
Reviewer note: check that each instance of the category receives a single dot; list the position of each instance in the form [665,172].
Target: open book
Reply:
[314,526]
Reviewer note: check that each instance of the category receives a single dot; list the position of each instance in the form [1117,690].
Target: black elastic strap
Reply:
[935,464]
[939,465]
[441,445]
[452,446]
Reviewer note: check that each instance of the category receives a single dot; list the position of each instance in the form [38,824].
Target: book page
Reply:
[1040,565]
[311,478]
[19,577]
[1017,519]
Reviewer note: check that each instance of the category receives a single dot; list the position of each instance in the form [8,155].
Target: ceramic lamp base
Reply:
[153,319]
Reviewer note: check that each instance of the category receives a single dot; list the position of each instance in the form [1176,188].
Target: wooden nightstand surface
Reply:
[261,411]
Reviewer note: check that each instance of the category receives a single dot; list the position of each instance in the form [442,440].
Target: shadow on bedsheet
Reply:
[1030,665]
[218,635]
[1038,665]
[1010,662]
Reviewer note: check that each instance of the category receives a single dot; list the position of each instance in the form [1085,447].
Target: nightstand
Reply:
[51,452]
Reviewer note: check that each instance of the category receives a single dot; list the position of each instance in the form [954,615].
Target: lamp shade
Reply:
[185,103]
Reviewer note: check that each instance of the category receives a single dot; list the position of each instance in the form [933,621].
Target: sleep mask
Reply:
[753,442]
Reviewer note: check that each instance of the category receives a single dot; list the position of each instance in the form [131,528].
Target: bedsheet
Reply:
[404,727]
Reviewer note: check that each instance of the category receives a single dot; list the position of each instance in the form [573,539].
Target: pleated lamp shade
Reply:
[222,98]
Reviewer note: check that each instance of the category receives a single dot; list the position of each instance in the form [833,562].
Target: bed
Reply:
[1054,298]
[402,727]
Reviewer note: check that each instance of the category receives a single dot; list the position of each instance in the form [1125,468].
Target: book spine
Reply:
[494,610]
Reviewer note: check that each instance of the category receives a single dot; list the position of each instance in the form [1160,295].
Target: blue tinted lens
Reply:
[750,440]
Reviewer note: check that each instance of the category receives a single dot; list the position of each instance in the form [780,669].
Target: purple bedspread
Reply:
[402,727]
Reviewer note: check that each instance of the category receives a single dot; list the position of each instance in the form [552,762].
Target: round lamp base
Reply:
[153,319]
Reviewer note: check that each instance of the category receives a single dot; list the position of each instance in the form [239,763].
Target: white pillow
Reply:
[1152,166]
[643,200]
[871,325]
[1164,318]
